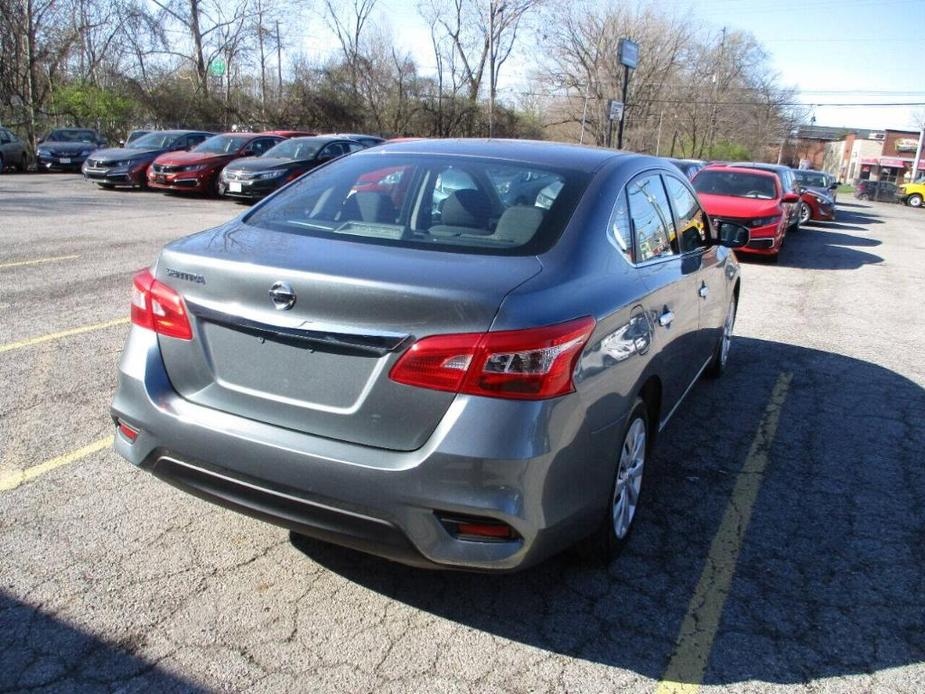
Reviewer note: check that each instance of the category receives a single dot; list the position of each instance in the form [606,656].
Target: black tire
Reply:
[806,214]
[2,164]
[795,227]
[106,186]
[605,545]
[23,164]
[914,200]
[717,366]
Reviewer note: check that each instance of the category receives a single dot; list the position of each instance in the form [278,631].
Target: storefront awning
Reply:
[893,163]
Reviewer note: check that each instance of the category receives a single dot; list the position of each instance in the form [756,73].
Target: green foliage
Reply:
[730,151]
[90,105]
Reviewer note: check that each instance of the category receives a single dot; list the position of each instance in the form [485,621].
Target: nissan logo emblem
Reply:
[282,296]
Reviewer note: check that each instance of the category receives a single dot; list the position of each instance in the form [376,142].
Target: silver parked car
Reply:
[475,384]
[13,152]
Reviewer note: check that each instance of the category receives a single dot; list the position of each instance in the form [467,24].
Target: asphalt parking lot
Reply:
[781,545]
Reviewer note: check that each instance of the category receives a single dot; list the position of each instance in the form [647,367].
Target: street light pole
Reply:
[918,152]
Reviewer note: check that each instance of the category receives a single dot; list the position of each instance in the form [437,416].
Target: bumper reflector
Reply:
[128,432]
[477,529]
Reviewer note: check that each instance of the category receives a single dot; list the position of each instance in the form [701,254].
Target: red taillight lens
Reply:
[157,307]
[530,364]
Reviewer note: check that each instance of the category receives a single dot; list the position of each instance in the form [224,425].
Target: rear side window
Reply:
[438,202]
[651,219]
[692,222]
[619,227]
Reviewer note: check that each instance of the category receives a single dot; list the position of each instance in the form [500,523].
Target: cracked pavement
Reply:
[112,580]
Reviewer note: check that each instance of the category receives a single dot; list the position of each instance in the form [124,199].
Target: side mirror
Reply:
[790,198]
[732,235]
[833,185]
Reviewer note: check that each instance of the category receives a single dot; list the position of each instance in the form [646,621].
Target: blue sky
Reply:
[834,51]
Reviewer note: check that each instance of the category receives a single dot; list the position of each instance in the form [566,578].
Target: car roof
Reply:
[749,170]
[538,152]
[759,165]
[322,138]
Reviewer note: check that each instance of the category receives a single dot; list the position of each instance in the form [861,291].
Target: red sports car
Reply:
[750,197]
[198,170]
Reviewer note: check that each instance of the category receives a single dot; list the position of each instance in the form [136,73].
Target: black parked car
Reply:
[250,178]
[884,191]
[128,165]
[66,149]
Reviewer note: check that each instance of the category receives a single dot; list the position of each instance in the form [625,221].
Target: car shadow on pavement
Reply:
[826,248]
[39,651]
[829,581]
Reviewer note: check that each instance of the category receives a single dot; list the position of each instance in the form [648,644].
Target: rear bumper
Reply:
[383,502]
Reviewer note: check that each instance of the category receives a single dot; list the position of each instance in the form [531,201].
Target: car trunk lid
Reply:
[321,364]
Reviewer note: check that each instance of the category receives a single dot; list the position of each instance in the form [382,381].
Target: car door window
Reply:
[619,228]
[4,137]
[194,140]
[650,214]
[335,149]
[260,146]
[355,147]
[690,218]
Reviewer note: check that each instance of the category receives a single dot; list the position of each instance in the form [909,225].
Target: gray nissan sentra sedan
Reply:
[393,354]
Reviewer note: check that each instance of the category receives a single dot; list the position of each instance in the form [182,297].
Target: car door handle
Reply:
[703,291]
[665,319]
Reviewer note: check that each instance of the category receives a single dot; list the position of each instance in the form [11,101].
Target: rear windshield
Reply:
[459,204]
[223,144]
[812,178]
[739,185]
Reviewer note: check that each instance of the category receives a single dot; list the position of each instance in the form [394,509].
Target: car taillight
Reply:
[157,307]
[530,364]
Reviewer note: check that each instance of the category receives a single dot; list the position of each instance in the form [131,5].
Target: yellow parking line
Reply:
[63,333]
[38,261]
[11,480]
[684,673]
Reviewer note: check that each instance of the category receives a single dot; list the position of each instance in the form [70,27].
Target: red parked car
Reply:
[749,197]
[198,170]
[816,207]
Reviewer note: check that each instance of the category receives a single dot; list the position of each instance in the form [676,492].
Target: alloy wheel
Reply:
[629,478]
[728,326]
[805,213]
[915,200]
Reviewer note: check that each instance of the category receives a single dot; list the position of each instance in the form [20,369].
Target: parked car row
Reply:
[195,161]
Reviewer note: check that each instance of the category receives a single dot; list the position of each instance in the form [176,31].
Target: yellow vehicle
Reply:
[913,194]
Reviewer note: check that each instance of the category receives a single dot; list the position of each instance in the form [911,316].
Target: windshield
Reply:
[71,136]
[433,202]
[223,144]
[295,149]
[153,141]
[812,178]
[735,184]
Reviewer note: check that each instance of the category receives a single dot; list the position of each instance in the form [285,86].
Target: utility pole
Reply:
[491,68]
[918,152]
[722,53]
[658,136]
[279,61]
